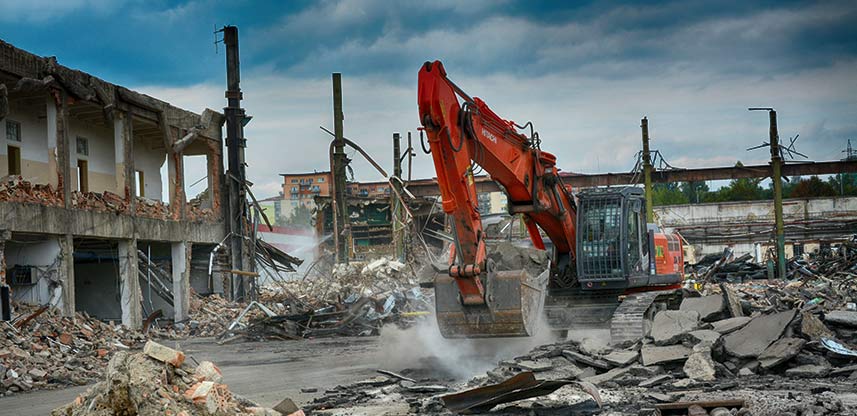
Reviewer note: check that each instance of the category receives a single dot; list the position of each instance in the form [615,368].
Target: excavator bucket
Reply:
[514,304]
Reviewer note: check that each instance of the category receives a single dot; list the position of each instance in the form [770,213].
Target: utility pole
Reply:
[236,119]
[341,230]
[647,171]
[398,234]
[776,167]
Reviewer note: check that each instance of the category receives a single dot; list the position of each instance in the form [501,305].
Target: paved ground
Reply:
[264,372]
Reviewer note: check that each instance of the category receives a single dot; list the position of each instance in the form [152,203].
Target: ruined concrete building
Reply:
[82,225]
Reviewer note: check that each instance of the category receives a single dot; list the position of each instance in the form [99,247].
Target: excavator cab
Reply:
[617,250]
[612,239]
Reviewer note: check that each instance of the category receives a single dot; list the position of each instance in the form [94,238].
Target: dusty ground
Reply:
[264,372]
[267,372]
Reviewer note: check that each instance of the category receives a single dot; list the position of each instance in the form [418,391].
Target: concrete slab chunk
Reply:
[654,381]
[700,365]
[709,308]
[808,371]
[780,351]
[730,325]
[586,360]
[703,335]
[669,326]
[610,375]
[847,318]
[535,365]
[657,355]
[733,301]
[621,358]
[756,336]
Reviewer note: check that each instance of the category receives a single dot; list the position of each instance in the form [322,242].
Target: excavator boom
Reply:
[473,299]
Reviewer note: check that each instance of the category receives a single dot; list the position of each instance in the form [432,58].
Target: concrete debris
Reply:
[808,371]
[665,354]
[669,326]
[621,358]
[781,351]
[700,365]
[41,349]
[138,384]
[710,308]
[730,325]
[14,188]
[163,354]
[846,318]
[702,335]
[762,331]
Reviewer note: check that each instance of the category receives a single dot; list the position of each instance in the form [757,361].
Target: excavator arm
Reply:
[464,132]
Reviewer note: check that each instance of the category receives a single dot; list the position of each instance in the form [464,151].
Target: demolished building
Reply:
[83,225]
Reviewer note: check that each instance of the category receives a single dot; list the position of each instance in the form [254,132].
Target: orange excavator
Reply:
[608,267]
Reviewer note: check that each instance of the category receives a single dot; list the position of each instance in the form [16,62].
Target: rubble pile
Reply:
[103,202]
[150,208]
[14,188]
[356,300]
[209,316]
[727,344]
[41,349]
[158,381]
[836,264]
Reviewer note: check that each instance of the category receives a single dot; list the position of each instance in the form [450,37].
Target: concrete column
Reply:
[214,163]
[181,279]
[175,171]
[66,273]
[4,235]
[59,156]
[123,155]
[53,163]
[129,284]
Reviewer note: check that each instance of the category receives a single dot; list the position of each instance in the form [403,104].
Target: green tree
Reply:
[695,192]
[845,184]
[812,187]
[300,216]
[743,189]
[668,194]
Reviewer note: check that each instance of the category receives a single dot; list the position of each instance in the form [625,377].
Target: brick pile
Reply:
[159,381]
[49,350]
[14,188]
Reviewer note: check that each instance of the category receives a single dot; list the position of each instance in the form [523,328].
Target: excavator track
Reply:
[633,318]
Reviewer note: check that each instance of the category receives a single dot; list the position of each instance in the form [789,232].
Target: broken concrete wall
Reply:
[150,161]
[30,115]
[101,165]
[41,257]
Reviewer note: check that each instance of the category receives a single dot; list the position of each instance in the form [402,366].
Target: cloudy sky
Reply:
[584,73]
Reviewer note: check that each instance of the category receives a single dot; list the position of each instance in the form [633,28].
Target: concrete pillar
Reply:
[175,171]
[181,279]
[214,163]
[123,155]
[129,285]
[4,235]
[53,163]
[66,273]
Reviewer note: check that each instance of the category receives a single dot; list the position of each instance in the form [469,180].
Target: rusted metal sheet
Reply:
[519,387]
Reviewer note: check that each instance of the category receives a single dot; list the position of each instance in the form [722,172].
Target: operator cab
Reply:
[615,245]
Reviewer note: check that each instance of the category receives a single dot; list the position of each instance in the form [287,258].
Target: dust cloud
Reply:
[422,347]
